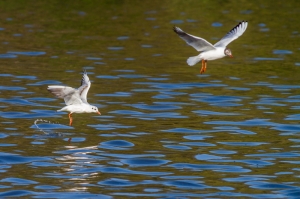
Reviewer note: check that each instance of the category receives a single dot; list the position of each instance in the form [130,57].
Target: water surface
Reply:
[165,130]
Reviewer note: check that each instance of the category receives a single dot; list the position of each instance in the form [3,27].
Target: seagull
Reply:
[209,51]
[75,99]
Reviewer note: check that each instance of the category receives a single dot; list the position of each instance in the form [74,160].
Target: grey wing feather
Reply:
[198,43]
[70,95]
[84,87]
[233,34]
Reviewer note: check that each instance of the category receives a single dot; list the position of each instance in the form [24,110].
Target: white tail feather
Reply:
[191,61]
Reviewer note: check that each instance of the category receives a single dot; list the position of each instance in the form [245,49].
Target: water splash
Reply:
[50,134]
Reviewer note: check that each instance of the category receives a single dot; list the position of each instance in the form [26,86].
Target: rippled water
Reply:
[165,130]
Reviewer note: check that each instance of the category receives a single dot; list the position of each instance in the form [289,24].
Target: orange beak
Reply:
[231,56]
[99,113]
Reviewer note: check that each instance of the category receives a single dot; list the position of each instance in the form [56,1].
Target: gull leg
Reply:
[71,119]
[202,67]
[205,64]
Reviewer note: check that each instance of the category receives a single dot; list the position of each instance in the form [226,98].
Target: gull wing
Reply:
[233,34]
[84,87]
[198,43]
[69,94]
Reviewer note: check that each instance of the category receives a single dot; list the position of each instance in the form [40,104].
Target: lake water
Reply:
[165,130]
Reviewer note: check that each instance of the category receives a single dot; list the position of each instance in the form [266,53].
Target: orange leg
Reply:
[203,68]
[71,119]
[205,64]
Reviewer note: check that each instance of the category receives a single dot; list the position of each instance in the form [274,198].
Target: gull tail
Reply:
[63,109]
[191,61]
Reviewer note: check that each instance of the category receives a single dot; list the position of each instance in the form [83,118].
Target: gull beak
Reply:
[99,113]
[231,56]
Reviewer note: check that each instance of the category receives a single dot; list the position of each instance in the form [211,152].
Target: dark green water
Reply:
[165,130]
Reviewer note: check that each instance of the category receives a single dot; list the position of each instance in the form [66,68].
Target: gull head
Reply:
[94,109]
[227,52]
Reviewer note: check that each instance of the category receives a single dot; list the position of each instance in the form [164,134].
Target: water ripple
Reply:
[9,158]
[204,112]
[217,168]
[27,53]
[186,184]
[155,107]
[109,126]
[115,182]
[18,181]
[8,55]
[12,88]
[144,162]
[252,122]
[116,144]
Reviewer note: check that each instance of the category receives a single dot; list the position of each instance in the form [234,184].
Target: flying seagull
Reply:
[209,51]
[75,99]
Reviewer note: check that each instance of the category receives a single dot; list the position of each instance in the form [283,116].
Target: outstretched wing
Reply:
[84,87]
[198,43]
[233,34]
[70,95]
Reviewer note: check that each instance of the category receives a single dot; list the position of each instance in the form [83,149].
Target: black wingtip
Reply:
[178,31]
[238,25]
[175,29]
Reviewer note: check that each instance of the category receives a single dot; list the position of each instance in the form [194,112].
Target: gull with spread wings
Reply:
[209,51]
[75,99]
